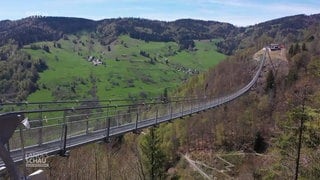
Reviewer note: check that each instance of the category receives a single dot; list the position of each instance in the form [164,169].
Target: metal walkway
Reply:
[59,126]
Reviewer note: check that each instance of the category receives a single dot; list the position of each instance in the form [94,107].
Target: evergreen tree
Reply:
[154,157]
[270,81]
[304,48]
[291,50]
[296,49]
[165,95]
[260,145]
[46,48]
[18,72]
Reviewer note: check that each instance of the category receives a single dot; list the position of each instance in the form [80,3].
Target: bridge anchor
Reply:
[9,123]
[64,153]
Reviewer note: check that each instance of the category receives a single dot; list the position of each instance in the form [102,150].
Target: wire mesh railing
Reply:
[66,124]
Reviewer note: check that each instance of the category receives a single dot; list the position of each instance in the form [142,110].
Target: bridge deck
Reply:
[54,146]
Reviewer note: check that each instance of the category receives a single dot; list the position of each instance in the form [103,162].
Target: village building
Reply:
[275,47]
[94,61]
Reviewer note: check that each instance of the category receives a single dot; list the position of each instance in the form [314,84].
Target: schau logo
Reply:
[37,160]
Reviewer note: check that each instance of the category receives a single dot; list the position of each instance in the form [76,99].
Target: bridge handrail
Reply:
[138,120]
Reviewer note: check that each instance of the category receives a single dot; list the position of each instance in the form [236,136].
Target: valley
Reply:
[130,68]
[255,136]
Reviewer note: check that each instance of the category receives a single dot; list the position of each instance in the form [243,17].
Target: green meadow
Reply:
[130,68]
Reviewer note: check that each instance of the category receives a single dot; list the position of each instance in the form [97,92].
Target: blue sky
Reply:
[237,12]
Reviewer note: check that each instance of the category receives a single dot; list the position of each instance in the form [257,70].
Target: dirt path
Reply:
[224,171]
[195,167]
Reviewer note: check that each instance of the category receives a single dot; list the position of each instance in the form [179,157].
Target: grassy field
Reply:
[131,67]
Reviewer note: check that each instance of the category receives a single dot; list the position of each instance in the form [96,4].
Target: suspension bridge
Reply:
[56,127]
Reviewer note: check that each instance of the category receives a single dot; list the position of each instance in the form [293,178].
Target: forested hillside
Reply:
[254,137]
[169,53]
[269,119]
[283,30]
[35,29]
[31,30]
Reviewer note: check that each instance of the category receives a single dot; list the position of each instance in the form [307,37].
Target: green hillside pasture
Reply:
[124,73]
[205,56]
